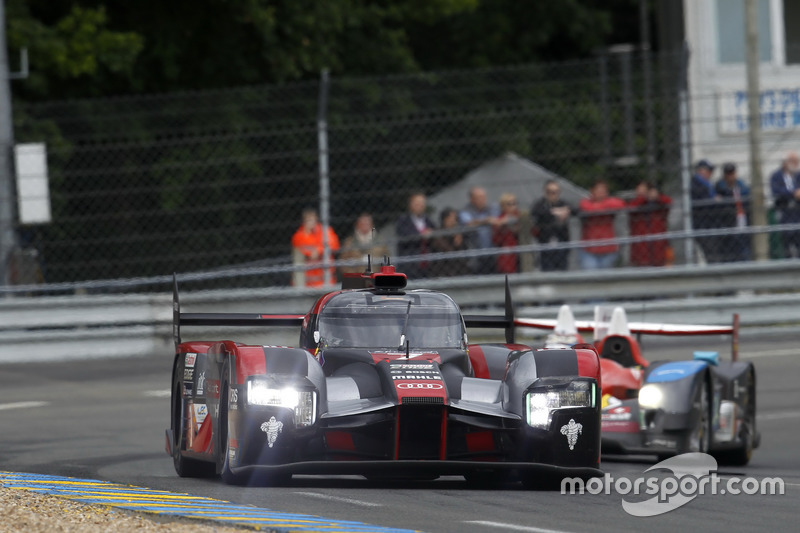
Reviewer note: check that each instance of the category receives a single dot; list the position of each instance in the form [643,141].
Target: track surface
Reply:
[105,419]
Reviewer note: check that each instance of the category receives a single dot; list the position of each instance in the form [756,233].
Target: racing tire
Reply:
[741,455]
[698,439]
[184,466]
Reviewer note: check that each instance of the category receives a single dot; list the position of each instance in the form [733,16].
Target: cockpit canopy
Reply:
[363,319]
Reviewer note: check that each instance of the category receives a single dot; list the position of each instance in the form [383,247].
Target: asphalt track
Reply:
[105,419]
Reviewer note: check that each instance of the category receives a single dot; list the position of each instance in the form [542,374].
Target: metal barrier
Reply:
[86,326]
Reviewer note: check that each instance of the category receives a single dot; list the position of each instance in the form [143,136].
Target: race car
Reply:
[383,383]
[666,407]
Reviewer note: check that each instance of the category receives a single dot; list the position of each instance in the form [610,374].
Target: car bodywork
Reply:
[383,383]
[668,407]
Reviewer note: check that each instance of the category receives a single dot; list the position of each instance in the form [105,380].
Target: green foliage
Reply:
[205,178]
[76,50]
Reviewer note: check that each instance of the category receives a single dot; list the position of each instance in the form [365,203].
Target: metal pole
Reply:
[324,178]
[754,131]
[603,60]
[627,98]
[686,146]
[648,89]
[7,235]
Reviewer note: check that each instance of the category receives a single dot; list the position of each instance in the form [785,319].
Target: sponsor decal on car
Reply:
[617,413]
[188,374]
[272,428]
[201,381]
[414,372]
[427,386]
[233,399]
[190,359]
[571,430]
[199,413]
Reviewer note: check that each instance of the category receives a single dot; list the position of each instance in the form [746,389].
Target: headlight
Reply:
[650,397]
[540,405]
[303,403]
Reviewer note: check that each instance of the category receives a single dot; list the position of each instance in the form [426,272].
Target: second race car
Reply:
[666,407]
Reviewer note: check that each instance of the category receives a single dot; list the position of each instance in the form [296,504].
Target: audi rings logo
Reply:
[428,386]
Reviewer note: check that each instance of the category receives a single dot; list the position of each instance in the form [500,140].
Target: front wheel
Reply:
[699,437]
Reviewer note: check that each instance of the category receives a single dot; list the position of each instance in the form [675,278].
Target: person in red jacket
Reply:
[307,241]
[597,220]
[505,233]
[647,215]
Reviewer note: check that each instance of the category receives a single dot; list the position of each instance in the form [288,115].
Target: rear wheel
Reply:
[741,455]
[184,466]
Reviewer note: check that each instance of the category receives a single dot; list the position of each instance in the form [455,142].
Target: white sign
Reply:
[780,110]
[33,188]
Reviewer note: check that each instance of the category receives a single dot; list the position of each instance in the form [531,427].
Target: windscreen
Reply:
[367,320]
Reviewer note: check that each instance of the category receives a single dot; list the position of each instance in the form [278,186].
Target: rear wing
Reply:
[649,328]
[504,321]
[222,319]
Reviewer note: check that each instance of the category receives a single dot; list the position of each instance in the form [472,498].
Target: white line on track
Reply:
[744,355]
[157,393]
[339,499]
[513,527]
[21,405]
[779,416]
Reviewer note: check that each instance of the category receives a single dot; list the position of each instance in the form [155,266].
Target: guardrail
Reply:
[84,326]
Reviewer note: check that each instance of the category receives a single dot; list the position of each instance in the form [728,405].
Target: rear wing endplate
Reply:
[505,321]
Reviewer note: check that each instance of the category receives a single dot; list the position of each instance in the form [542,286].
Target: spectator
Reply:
[449,241]
[735,195]
[308,245]
[550,216]
[480,218]
[361,243]
[413,230]
[597,213]
[785,186]
[704,209]
[506,234]
[648,214]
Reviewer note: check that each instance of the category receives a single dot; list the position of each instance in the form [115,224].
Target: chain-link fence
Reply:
[218,183]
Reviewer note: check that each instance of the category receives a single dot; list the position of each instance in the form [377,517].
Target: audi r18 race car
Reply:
[383,383]
[666,407]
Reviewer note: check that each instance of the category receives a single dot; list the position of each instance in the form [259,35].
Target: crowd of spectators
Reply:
[483,226]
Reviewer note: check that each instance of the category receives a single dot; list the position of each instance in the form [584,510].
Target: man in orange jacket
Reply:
[307,240]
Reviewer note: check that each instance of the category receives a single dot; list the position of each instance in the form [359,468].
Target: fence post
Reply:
[754,129]
[324,177]
[7,236]
[686,146]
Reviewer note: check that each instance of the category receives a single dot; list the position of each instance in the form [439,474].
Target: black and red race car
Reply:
[383,383]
